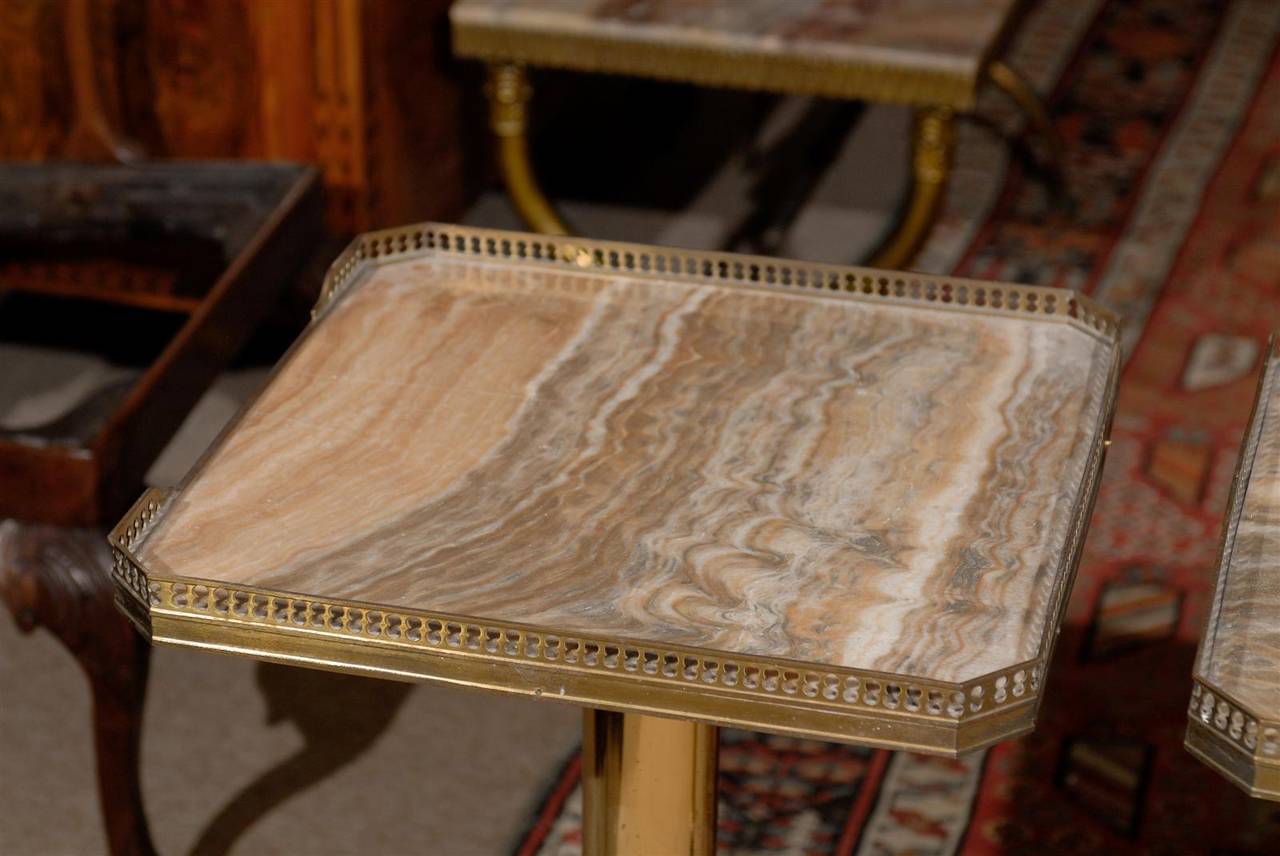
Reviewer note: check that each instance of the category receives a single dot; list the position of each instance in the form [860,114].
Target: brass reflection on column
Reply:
[648,785]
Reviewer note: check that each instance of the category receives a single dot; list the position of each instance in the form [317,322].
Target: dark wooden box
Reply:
[166,267]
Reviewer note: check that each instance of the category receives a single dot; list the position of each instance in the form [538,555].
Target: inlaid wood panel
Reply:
[798,475]
[366,89]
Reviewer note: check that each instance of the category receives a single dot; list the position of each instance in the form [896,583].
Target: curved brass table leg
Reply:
[648,785]
[509,92]
[934,139]
[1028,100]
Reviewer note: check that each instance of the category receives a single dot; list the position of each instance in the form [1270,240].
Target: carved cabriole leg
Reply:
[60,579]
[648,785]
[1017,88]
[509,92]
[934,139]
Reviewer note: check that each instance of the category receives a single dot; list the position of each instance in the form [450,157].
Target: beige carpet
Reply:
[395,769]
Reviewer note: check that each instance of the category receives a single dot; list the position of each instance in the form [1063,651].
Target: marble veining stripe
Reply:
[779,474]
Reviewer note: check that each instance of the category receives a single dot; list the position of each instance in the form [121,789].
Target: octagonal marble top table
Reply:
[824,501]
[1234,717]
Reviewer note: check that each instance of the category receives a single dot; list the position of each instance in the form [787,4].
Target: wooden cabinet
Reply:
[366,89]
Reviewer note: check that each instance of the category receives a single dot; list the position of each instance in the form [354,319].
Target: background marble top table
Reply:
[1235,704]
[928,52]
[818,500]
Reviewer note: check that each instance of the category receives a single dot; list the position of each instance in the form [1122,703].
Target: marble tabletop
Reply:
[1237,696]
[924,50]
[844,481]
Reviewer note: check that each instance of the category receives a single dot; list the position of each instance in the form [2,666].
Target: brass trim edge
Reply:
[796,73]
[1225,734]
[834,703]
[1239,742]
[607,692]
[1087,498]
[840,704]
[521,250]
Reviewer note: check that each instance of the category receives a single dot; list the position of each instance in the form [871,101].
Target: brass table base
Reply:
[648,785]
[933,142]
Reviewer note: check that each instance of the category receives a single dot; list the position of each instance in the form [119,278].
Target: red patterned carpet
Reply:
[1170,111]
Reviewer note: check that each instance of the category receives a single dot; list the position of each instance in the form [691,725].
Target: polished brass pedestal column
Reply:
[648,785]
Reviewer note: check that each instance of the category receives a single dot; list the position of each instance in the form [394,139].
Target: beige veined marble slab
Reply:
[1236,703]
[914,50]
[786,473]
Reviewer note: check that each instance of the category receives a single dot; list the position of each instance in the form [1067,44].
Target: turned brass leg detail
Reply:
[934,138]
[509,92]
[648,785]
[1017,88]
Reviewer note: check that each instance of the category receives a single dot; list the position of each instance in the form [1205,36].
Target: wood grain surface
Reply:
[815,477]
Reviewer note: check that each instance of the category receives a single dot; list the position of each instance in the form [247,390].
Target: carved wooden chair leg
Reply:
[60,579]
[933,141]
[117,726]
[509,92]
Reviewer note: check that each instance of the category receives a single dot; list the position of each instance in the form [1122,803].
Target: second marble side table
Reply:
[681,490]
[1234,718]
[931,55]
